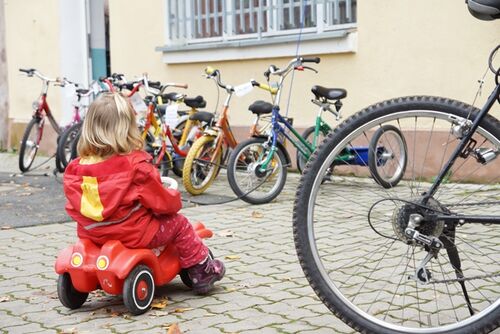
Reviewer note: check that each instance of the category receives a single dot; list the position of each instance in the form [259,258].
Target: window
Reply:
[192,22]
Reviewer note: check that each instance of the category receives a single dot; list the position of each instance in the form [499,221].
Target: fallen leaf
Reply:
[230,289]
[174,329]
[6,227]
[232,257]
[182,310]
[4,299]
[257,214]
[159,304]
[115,314]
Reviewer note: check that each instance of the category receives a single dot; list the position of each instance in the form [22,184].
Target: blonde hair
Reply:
[109,128]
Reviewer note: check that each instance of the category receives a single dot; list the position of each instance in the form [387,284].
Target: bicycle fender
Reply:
[283,150]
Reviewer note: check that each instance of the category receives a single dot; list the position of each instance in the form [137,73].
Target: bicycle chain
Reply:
[463,279]
[472,204]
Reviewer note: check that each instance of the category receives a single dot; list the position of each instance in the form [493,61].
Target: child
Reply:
[114,193]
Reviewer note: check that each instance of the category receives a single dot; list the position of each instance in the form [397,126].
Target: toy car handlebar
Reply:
[169,182]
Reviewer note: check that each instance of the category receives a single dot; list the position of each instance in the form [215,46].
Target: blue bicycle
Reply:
[257,167]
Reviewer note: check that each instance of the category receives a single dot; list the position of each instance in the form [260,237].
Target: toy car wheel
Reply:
[138,290]
[68,295]
[185,275]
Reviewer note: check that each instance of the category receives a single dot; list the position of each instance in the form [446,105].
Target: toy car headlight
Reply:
[102,262]
[76,259]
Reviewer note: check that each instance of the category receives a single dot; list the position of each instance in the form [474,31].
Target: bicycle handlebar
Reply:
[296,62]
[31,71]
[212,73]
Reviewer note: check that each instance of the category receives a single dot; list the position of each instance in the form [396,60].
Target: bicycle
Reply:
[71,131]
[204,159]
[41,111]
[257,176]
[421,257]
[169,146]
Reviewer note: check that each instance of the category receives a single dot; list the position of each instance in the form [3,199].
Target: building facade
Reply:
[377,49]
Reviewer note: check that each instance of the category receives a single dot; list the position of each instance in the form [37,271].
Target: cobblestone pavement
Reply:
[264,290]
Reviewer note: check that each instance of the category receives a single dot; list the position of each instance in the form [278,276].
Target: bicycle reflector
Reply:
[76,260]
[102,262]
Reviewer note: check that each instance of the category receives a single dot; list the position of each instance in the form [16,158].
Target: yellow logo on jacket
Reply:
[91,206]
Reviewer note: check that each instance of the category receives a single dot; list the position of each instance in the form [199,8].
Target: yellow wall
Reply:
[32,29]
[404,48]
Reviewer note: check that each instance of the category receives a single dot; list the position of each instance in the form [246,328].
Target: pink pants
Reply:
[176,229]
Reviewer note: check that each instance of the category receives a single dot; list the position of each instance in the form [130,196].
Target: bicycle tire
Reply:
[64,145]
[376,157]
[254,194]
[315,247]
[74,146]
[30,143]
[59,166]
[300,159]
[197,176]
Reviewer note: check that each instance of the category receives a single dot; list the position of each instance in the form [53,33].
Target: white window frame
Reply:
[252,43]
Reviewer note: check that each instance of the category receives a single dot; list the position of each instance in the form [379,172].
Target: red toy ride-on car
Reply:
[85,267]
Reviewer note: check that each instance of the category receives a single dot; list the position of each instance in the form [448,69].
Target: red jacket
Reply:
[118,199]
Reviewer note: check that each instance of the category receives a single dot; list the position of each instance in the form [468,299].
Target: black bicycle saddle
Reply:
[329,93]
[261,107]
[202,116]
[195,102]
[486,10]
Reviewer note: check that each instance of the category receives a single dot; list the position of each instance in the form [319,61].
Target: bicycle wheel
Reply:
[30,143]
[387,156]
[308,136]
[350,234]
[199,171]
[245,178]
[74,146]
[64,145]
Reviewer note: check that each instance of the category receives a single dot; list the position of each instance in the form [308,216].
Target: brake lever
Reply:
[310,68]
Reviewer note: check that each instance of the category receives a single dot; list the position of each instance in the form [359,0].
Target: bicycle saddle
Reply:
[171,96]
[82,91]
[195,102]
[202,116]
[329,93]
[484,9]
[261,107]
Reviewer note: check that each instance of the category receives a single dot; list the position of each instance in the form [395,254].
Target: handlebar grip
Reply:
[272,90]
[154,84]
[311,60]
[181,85]
[209,70]
[27,70]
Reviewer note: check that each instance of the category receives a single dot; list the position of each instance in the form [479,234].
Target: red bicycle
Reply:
[34,130]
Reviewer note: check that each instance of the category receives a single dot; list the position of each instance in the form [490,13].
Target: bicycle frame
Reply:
[462,219]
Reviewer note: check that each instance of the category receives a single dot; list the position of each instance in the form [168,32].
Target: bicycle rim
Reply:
[355,253]
[247,180]
[199,170]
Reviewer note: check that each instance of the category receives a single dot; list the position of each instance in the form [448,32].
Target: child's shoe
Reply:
[204,275]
